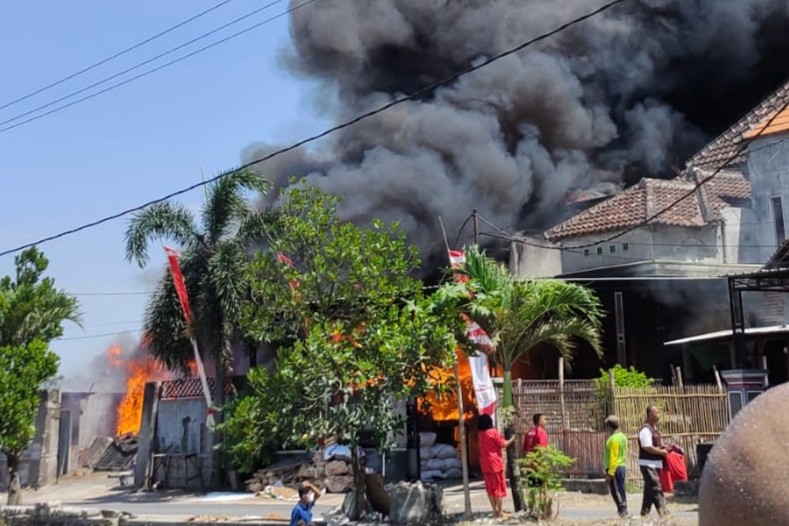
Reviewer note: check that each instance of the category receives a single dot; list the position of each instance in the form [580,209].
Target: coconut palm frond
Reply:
[157,222]
[226,205]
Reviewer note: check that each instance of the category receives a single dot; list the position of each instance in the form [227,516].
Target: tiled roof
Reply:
[189,388]
[718,152]
[771,125]
[640,202]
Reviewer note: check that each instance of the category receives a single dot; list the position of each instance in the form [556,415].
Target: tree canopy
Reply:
[354,330]
[32,312]
[214,251]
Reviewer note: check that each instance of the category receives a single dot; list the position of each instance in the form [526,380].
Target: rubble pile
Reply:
[438,461]
[330,469]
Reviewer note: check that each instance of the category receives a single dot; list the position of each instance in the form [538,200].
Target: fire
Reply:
[114,356]
[140,369]
[444,407]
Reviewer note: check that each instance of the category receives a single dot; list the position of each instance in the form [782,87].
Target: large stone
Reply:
[743,482]
[339,484]
[337,467]
[415,503]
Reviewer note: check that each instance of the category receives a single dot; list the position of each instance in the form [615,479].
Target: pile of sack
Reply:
[438,461]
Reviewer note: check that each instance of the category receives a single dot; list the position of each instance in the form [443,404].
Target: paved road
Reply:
[152,504]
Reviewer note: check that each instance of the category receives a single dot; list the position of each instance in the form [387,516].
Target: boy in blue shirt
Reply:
[302,512]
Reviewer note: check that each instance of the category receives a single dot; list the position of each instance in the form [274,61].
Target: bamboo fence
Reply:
[690,415]
[576,409]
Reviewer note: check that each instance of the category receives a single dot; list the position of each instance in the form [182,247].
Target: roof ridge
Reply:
[736,131]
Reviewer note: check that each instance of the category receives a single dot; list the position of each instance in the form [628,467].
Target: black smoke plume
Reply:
[631,93]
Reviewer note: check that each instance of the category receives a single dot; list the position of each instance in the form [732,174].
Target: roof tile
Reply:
[642,201]
[724,147]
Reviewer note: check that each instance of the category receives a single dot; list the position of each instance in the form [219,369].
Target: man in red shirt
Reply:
[536,436]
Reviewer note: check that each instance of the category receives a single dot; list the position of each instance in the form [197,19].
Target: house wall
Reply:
[702,245]
[181,430]
[530,261]
[768,166]
[39,462]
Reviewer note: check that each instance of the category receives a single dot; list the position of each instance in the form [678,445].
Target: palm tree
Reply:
[522,316]
[214,255]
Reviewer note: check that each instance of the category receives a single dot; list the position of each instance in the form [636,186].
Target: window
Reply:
[612,248]
[778,219]
[586,252]
[625,247]
[599,250]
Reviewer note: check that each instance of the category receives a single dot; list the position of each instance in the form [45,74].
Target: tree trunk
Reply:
[15,485]
[361,505]
[513,473]
[218,457]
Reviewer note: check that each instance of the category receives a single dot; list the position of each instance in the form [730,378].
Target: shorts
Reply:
[495,485]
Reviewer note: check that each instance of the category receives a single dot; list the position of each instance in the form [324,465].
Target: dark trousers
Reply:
[653,493]
[618,491]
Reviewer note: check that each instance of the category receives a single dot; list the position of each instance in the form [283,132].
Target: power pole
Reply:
[475,215]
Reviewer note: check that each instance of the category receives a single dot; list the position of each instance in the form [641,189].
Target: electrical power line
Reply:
[320,135]
[116,55]
[144,63]
[92,336]
[113,293]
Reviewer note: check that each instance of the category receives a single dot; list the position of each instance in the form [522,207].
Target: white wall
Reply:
[768,167]
[700,245]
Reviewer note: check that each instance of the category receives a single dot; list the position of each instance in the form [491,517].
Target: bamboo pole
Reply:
[717,378]
[461,417]
[463,444]
[561,392]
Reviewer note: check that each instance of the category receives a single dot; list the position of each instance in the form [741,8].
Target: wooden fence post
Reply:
[717,378]
[612,389]
[561,393]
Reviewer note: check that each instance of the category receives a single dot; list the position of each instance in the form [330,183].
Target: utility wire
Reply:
[144,63]
[320,135]
[116,55]
[92,336]
[121,293]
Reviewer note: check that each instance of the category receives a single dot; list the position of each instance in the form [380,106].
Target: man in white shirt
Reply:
[651,453]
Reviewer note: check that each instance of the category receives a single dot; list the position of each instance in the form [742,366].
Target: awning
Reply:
[773,330]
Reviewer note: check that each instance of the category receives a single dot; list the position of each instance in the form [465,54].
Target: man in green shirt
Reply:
[615,462]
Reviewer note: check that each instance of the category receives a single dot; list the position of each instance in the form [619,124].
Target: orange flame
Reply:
[444,407]
[140,370]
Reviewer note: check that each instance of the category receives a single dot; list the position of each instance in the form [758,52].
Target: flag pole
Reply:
[461,414]
[183,298]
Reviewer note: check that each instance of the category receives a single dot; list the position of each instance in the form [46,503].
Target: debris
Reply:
[415,503]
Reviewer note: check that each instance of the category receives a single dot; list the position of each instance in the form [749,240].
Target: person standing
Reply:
[537,435]
[492,463]
[615,462]
[651,453]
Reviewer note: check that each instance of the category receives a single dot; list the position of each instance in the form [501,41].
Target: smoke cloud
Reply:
[628,94]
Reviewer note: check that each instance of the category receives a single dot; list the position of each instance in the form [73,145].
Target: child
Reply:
[615,462]
[302,512]
[492,463]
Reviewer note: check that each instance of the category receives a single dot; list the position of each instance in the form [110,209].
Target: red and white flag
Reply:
[484,390]
[183,297]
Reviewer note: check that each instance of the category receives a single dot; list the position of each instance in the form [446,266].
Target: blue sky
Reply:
[132,144]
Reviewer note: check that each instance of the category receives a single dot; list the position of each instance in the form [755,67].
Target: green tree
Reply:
[355,332]
[32,312]
[523,315]
[214,255]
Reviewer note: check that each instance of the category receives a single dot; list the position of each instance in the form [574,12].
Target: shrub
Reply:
[541,478]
